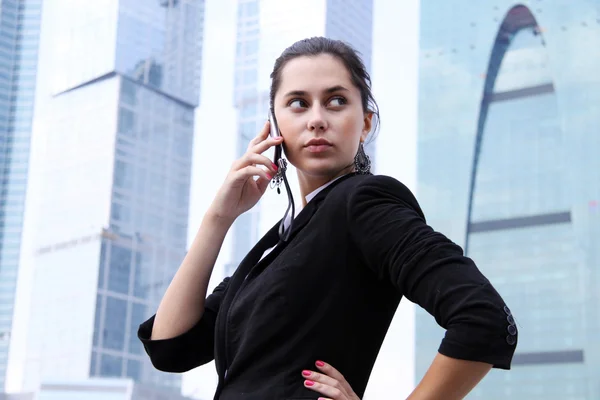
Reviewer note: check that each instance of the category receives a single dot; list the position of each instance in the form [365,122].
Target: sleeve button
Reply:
[507,310]
[512,330]
[511,340]
[510,320]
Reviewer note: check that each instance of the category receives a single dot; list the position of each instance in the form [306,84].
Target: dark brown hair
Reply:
[345,53]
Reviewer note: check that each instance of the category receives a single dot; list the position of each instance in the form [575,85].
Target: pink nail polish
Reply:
[269,176]
[306,373]
[275,167]
[309,383]
[320,364]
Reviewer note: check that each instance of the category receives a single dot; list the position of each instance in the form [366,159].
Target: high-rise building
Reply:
[264,29]
[19,38]
[106,221]
[509,167]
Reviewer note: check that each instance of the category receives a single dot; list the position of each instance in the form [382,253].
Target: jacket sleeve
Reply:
[389,229]
[190,349]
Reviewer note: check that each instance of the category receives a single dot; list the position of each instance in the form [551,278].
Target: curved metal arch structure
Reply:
[517,18]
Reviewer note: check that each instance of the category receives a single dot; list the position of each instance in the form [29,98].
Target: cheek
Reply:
[352,129]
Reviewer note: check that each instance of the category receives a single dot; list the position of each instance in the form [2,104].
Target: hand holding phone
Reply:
[247,180]
[274,132]
[280,177]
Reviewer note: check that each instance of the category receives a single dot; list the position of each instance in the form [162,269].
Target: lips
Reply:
[319,145]
[318,142]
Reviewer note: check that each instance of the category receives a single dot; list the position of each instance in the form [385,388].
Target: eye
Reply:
[297,103]
[337,101]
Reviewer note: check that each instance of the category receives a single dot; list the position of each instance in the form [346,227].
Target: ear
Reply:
[367,125]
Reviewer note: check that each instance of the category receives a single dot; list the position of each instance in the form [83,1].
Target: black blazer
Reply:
[330,293]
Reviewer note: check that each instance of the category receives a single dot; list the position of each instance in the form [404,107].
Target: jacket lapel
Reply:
[252,265]
[307,212]
[236,281]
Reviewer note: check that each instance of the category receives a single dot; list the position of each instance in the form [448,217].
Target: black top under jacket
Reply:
[330,293]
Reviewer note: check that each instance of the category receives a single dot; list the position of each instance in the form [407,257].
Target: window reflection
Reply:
[114,325]
[111,366]
[536,160]
[119,269]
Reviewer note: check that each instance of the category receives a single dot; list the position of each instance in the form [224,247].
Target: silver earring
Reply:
[362,162]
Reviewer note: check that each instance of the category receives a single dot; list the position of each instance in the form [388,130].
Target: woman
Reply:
[330,291]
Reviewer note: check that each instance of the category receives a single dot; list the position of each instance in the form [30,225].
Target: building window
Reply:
[114,324]
[111,366]
[119,269]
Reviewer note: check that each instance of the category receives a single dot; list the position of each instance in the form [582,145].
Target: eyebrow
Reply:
[337,88]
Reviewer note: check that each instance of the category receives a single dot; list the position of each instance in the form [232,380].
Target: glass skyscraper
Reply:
[509,167]
[264,29]
[19,40]
[113,160]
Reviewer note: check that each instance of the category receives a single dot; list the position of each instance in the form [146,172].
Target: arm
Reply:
[183,303]
[390,231]
[449,379]
[180,336]
[190,349]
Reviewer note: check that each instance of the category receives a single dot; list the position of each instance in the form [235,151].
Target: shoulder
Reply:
[361,190]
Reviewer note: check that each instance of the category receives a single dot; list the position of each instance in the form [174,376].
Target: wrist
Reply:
[215,219]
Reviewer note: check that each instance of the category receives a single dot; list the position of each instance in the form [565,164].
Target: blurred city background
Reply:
[119,120]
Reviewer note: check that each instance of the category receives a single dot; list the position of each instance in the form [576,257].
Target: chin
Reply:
[322,168]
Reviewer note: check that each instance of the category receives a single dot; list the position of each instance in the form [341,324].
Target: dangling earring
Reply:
[362,162]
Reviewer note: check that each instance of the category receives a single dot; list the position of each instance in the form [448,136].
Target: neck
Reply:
[310,183]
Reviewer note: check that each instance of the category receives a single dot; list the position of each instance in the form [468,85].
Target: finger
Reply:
[266,144]
[251,171]
[330,392]
[321,378]
[262,135]
[328,370]
[262,184]
[255,159]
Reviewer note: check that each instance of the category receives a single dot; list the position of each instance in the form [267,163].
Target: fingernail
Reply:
[306,373]
[275,167]
[269,175]
[309,383]
[320,364]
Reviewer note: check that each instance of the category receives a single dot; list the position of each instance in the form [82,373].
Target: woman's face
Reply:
[320,115]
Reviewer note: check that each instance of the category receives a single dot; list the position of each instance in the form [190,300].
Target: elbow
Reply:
[490,338]
[167,356]
[166,364]
[171,364]
[182,353]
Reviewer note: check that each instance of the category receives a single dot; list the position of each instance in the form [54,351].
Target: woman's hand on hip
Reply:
[241,191]
[329,382]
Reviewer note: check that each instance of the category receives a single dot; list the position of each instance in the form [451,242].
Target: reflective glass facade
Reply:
[158,60]
[249,106]
[19,40]
[264,29]
[115,170]
[509,168]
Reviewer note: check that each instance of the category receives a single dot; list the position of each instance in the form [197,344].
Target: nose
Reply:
[316,121]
